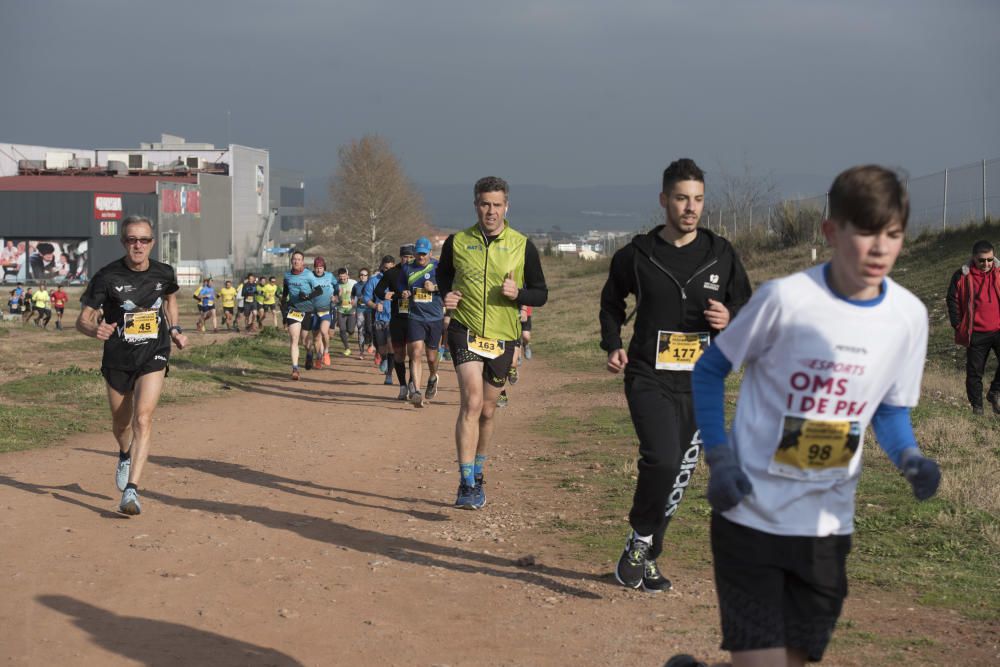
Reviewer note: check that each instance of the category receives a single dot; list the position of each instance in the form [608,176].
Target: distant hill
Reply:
[537,208]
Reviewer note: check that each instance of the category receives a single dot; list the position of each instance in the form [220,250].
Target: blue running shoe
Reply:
[388,380]
[130,503]
[384,365]
[466,497]
[121,472]
[479,493]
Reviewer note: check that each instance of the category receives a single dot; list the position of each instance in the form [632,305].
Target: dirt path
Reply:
[310,523]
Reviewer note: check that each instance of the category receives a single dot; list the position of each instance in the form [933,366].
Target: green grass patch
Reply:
[44,408]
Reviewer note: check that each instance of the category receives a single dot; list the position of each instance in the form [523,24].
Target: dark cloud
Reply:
[557,93]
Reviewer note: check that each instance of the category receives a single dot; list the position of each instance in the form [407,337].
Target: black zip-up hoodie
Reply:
[663,303]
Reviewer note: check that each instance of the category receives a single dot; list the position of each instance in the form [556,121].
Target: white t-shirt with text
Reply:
[817,368]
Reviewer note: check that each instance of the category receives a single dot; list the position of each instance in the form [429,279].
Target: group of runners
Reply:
[826,352]
[251,299]
[39,302]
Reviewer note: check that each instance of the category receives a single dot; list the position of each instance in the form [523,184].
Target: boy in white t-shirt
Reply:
[827,351]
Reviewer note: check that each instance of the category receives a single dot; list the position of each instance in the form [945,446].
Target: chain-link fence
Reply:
[949,198]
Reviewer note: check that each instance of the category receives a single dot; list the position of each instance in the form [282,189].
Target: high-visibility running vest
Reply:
[480,270]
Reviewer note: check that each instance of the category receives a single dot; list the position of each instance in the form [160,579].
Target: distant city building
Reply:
[214,208]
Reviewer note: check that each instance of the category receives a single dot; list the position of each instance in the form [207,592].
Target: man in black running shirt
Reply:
[138,298]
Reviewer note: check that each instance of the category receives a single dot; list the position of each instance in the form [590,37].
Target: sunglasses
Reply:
[141,240]
[985,260]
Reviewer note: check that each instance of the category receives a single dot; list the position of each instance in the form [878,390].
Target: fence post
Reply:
[751,218]
[984,192]
[944,205]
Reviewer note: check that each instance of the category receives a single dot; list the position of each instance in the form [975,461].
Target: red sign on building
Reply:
[183,201]
[107,207]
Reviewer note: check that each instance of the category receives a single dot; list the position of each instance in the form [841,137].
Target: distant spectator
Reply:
[974,311]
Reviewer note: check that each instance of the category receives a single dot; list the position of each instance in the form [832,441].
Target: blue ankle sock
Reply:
[480,461]
[468,477]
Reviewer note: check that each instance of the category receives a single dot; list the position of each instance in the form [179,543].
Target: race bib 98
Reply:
[812,449]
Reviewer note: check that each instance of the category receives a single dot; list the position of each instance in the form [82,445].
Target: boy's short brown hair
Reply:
[870,197]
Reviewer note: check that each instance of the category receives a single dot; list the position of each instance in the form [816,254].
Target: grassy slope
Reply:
[945,551]
[43,408]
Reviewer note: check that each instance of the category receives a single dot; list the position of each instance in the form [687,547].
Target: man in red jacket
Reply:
[974,311]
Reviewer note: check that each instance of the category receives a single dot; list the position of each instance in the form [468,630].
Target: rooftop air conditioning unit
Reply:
[192,163]
[135,161]
[80,163]
[117,167]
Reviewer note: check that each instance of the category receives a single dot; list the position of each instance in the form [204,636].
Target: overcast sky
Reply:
[558,92]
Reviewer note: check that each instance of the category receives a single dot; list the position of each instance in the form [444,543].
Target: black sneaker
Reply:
[512,375]
[994,399]
[432,386]
[631,567]
[309,361]
[977,410]
[684,660]
[652,580]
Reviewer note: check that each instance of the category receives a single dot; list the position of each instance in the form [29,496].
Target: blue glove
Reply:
[922,473]
[727,483]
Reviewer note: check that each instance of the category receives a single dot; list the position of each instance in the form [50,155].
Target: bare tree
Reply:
[375,207]
[743,197]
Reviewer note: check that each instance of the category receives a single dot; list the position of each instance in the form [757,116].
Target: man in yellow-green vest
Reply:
[486,272]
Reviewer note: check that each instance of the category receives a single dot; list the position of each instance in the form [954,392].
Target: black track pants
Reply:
[669,446]
[976,356]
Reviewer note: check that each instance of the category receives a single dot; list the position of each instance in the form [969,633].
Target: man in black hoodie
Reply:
[688,284]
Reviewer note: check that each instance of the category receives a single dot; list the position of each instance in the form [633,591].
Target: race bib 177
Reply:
[676,351]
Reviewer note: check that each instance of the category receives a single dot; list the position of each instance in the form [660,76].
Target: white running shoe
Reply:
[122,471]
[130,503]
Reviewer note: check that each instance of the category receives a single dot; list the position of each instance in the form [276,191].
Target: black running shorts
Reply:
[397,330]
[494,370]
[123,381]
[778,591]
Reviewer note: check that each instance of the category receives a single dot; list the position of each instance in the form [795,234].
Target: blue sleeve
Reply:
[894,431]
[708,386]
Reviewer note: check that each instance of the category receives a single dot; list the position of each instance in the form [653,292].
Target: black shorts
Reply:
[205,309]
[777,590]
[268,307]
[60,310]
[306,322]
[229,309]
[429,333]
[494,370]
[123,381]
[526,325]
[380,332]
[397,329]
